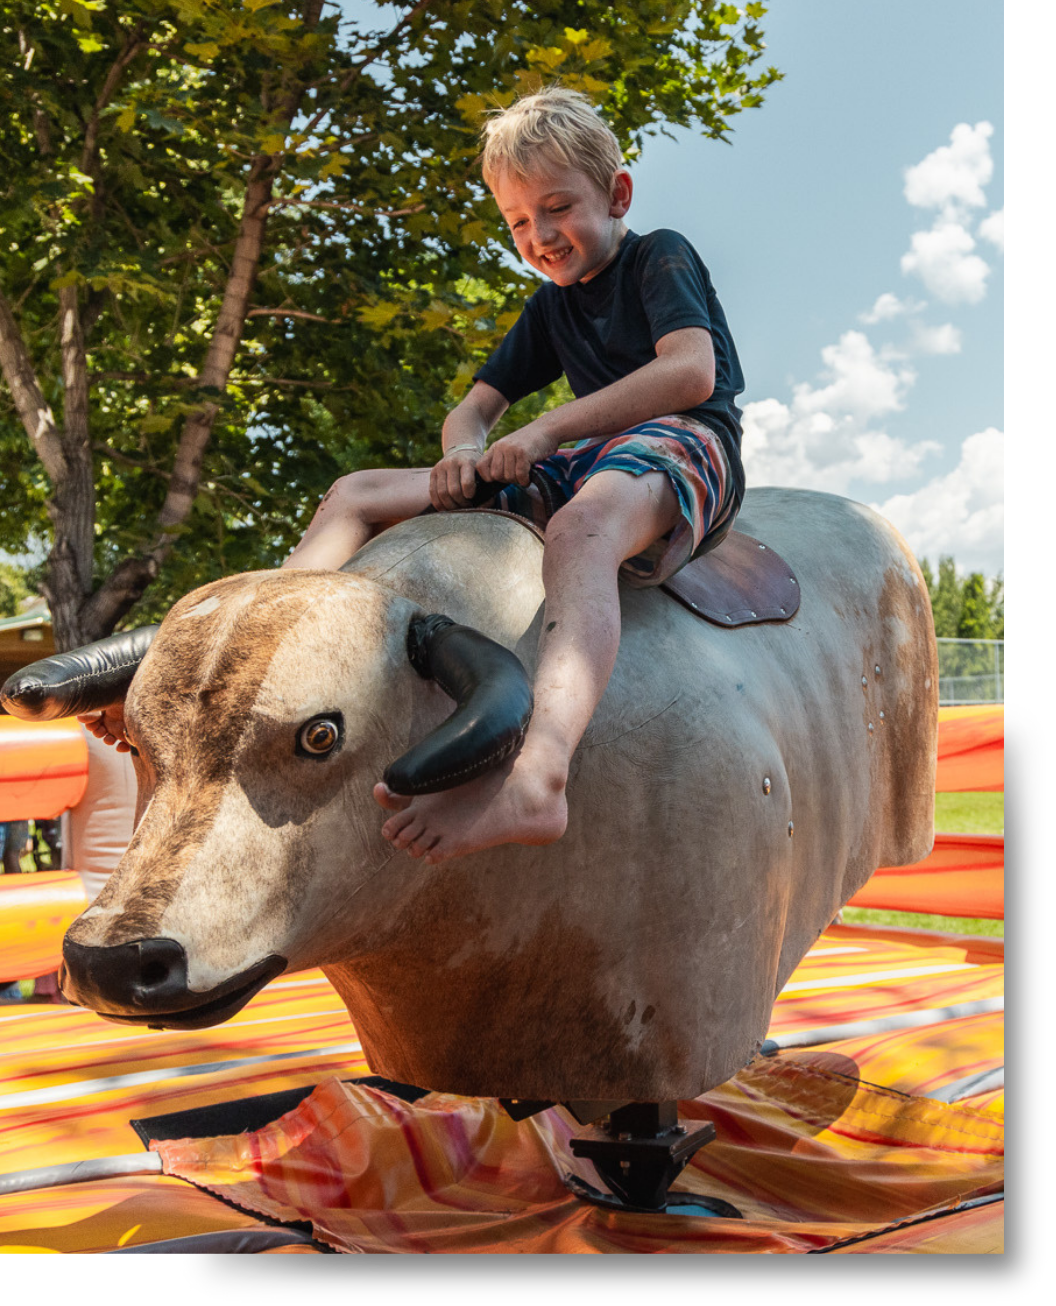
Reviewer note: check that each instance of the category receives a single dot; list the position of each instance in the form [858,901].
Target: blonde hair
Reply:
[554,125]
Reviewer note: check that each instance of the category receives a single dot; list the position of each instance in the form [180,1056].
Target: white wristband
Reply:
[459,447]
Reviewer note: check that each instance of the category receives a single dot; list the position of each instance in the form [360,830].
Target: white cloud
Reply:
[823,440]
[861,384]
[889,306]
[943,259]
[831,435]
[961,513]
[945,339]
[952,177]
[993,229]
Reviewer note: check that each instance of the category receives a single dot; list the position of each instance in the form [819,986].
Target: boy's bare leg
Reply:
[354,509]
[613,517]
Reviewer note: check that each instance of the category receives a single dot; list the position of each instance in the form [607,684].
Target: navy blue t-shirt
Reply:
[599,331]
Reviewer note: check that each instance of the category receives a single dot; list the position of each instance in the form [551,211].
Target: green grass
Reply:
[970,813]
[954,814]
[922,921]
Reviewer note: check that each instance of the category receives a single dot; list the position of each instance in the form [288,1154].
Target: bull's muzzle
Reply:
[145,983]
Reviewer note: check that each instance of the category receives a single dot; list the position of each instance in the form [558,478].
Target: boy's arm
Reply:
[681,376]
[466,427]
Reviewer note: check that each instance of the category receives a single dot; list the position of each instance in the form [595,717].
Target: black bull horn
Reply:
[86,679]
[492,693]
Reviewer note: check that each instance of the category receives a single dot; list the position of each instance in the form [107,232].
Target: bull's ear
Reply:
[494,705]
[84,680]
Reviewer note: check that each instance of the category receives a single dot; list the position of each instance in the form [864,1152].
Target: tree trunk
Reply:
[72,506]
[67,459]
[80,615]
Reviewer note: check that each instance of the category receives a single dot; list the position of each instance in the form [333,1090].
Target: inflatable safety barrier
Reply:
[36,910]
[43,767]
[964,875]
[971,749]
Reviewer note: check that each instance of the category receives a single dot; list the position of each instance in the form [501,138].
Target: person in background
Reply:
[100,826]
[12,842]
[15,842]
[47,845]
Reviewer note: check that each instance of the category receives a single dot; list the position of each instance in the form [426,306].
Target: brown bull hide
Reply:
[734,789]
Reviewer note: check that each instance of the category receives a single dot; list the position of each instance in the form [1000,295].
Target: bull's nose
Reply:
[149,974]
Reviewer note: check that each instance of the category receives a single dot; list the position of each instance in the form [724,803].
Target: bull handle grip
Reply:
[484,493]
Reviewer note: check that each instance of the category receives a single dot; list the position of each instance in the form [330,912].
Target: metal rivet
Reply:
[766,784]
[870,726]
[877,670]
[865,680]
[881,716]
[753,614]
[782,609]
[762,546]
[790,828]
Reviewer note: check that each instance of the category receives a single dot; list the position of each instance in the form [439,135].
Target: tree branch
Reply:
[133,45]
[32,408]
[282,380]
[348,206]
[178,382]
[75,431]
[288,312]
[118,457]
[234,307]
[357,69]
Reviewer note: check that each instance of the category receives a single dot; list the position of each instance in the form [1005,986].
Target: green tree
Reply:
[976,619]
[14,587]
[970,608]
[974,611]
[946,599]
[996,600]
[245,247]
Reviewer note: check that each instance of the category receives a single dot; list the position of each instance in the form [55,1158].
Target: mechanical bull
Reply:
[734,789]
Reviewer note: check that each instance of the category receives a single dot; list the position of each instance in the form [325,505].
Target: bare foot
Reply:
[522,804]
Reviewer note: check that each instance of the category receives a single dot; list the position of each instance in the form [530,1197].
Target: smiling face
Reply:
[563,224]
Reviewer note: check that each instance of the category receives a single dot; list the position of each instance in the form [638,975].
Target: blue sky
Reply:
[868,319]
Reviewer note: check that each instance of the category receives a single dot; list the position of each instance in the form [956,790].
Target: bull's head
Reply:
[261,713]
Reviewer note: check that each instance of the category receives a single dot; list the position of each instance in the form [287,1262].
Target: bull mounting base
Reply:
[639,1151]
[687,1203]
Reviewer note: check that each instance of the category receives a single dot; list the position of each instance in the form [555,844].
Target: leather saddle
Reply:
[735,581]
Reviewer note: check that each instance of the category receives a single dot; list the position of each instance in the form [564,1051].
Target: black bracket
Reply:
[640,1151]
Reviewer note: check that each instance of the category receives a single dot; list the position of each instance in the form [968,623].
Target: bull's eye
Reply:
[320,736]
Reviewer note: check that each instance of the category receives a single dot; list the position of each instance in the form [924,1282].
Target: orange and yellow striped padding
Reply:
[43,767]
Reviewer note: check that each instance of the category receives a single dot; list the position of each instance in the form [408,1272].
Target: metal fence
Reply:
[971,670]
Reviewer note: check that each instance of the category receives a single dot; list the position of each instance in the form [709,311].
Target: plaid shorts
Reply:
[687,452]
